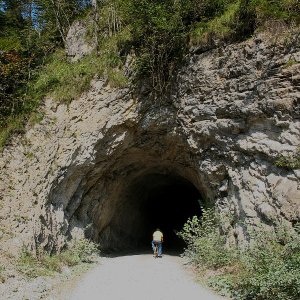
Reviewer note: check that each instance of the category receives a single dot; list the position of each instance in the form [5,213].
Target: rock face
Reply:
[78,42]
[91,167]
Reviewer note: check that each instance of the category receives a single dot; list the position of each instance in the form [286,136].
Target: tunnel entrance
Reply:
[153,201]
[168,207]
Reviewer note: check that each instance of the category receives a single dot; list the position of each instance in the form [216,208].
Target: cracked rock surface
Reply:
[88,168]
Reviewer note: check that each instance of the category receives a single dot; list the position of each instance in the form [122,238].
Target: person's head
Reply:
[157,229]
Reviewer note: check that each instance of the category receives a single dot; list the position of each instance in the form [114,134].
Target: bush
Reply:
[268,268]
[206,246]
[287,10]
[79,251]
[221,27]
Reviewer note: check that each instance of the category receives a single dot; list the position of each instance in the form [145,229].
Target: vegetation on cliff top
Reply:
[33,34]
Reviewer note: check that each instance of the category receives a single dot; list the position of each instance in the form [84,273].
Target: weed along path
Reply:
[140,277]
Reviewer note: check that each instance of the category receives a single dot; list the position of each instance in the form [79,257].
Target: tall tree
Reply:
[13,12]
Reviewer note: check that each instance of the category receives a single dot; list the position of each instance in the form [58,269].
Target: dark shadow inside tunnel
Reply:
[153,201]
[168,207]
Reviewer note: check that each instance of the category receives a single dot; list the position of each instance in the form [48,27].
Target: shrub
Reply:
[2,275]
[287,10]
[271,267]
[157,31]
[158,37]
[268,268]
[81,251]
[206,246]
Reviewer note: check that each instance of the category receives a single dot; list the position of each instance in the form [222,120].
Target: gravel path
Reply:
[140,277]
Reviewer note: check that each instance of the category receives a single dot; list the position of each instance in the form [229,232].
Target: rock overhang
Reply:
[102,194]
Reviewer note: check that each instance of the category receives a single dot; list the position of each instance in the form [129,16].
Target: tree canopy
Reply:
[159,32]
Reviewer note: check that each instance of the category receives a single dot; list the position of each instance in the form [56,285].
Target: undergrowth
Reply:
[266,269]
[44,264]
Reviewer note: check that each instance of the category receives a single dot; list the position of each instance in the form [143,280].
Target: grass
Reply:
[290,63]
[44,264]
[14,124]
[219,28]
[205,25]
[2,276]
[64,81]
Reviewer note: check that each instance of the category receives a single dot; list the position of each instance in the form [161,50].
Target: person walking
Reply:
[158,240]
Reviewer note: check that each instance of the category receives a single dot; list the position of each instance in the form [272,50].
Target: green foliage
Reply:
[235,19]
[65,81]
[13,73]
[287,10]
[13,125]
[54,18]
[156,32]
[160,29]
[268,268]
[15,103]
[289,161]
[9,43]
[158,37]
[30,31]
[221,27]
[206,246]
[83,249]
[2,275]
[80,251]
[290,62]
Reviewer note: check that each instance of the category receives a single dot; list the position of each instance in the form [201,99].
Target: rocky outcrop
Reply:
[79,41]
[89,168]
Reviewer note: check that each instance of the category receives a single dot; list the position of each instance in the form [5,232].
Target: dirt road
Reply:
[140,277]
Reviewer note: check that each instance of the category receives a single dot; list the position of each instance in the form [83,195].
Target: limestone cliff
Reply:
[232,112]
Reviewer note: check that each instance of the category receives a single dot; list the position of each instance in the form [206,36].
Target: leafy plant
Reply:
[268,268]
[206,246]
[221,27]
[271,267]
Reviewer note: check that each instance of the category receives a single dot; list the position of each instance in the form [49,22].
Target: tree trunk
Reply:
[96,24]
[58,21]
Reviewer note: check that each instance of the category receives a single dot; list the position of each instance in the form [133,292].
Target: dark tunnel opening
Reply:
[168,208]
[153,201]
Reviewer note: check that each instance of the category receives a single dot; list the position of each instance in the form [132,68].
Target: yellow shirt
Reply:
[157,236]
